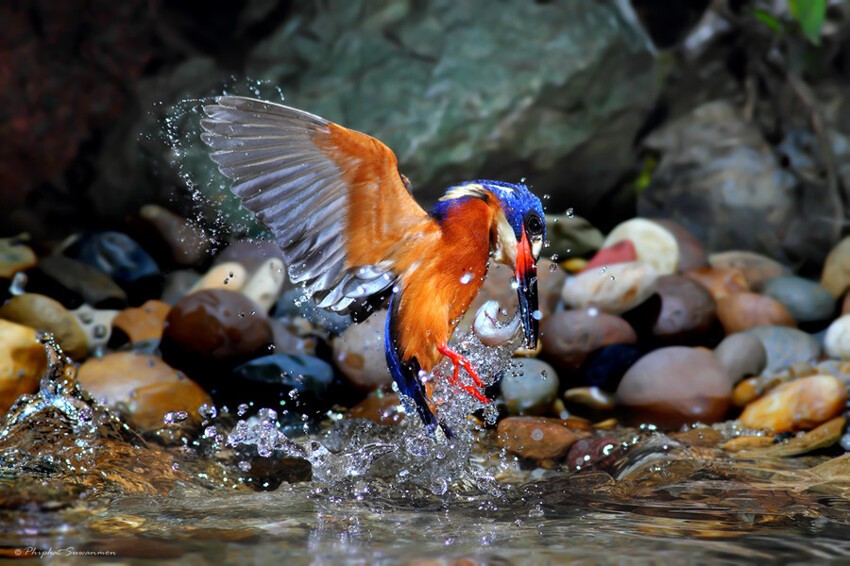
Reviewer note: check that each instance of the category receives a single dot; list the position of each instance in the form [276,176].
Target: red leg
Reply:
[459,361]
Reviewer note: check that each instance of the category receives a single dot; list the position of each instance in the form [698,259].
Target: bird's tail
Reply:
[406,373]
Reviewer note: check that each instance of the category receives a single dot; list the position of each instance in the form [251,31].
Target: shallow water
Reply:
[76,485]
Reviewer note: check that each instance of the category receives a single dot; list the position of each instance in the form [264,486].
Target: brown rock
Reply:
[801,404]
[674,386]
[43,313]
[568,337]
[702,437]
[143,385]
[142,323]
[536,438]
[687,309]
[747,310]
[22,363]
[15,256]
[756,268]
[720,281]
[691,251]
[187,242]
[218,324]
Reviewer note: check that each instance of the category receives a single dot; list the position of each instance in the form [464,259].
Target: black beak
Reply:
[526,278]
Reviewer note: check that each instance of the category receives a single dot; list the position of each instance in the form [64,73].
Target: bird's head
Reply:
[516,239]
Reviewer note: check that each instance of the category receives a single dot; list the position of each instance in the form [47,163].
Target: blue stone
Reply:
[605,367]
[115,254]
[805,300]
[309,377]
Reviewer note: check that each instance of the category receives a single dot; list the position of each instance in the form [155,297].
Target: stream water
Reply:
[78,485]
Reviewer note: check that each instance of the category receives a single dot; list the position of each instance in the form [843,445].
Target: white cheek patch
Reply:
[505,250]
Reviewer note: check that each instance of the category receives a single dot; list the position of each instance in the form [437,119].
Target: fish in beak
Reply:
[526,278]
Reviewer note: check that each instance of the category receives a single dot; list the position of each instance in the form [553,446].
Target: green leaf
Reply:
[768,19]
[810,14]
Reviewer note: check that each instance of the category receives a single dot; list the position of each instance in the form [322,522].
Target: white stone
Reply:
[653,243]
[613,289]
[837,339]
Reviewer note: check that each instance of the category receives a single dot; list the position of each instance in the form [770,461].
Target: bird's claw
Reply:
[459,361]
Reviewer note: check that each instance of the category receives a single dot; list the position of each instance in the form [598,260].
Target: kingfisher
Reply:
[353,236]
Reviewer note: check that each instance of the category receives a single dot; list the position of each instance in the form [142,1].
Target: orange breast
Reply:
[440,279]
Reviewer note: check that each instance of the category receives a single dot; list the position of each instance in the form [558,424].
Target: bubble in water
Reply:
[439,486]
[208,411]
[244,465]
[210,432]
[174,417]
[537,435]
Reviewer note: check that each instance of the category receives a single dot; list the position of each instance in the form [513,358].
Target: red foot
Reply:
[459,361]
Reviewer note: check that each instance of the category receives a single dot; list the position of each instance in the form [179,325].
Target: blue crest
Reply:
[516,200]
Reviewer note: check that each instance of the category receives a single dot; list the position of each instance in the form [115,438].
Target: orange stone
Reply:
[144,322]
[720,281]
[537,438]
[801,404]
[747,310]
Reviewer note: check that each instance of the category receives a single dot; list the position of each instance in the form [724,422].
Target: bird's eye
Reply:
[534,224]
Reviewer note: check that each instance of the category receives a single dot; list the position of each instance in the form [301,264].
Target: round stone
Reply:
[747,310]
[73,283]
[614,289]
[265,285]
[837,339]
[801,404]
[786,347]
[606,367]
[687,310]
[22,363]
[48,315]
[691,251]
[653,243]
[620,252]
[675,385]
[229,275]
[805,300]
[144,323]
[756,268]
[219,325]
[537,438]
[720,281]
[835,276]
[741,355]
[15,256]
[359,352]
[568,337]
[186,242]
[529,386]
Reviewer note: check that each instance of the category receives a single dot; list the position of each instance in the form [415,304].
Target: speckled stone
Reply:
[529,387]
[741,355]
[568,337]
[618,289]
[143,386]
[673,386]
[537,438]
[22,363]
[219,325]
[265,285]
[720,281]
[801,404]
[805,300]
[44,313]
[229,275]
[654,244]
[687,310]
[742,311]
[786,346]
[757,268]
[96,324]
[359,352]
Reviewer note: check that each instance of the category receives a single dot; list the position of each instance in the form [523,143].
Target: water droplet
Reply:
[466,278]
[19,282]
[603,269]
[537,315]
[547,196]
[553,268]
[208,411]
[592,311]
[210,432]
[175,417]
[244,465]
[537,435]
[571,213]
[242,409]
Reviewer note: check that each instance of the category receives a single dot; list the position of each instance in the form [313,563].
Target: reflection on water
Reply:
[72,476]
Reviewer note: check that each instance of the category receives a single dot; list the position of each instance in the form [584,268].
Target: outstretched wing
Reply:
[333,197]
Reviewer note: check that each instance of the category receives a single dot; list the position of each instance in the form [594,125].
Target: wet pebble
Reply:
[835,276]
[801,404]
[22,362]
[73,283]
[785,346]
[756,268]
[250,254]
[606,366]
[720,281]
[751,388]
[529,387]
[741,355]
[594,452]
[359,352]
[837,338]
[143,385]
[687,310]
[140,324]
[570,234]
[96,324]
[654,244]
[615,289]
[691,251]
[748,310]
[537,438]
[568,337]
[218,324]
[301,382]
[675,385]
[187,243]
[620,252]
[380,407]
[15,256]
[265,285]
[805,300]
[229,275]
[46,314]
[593,398]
